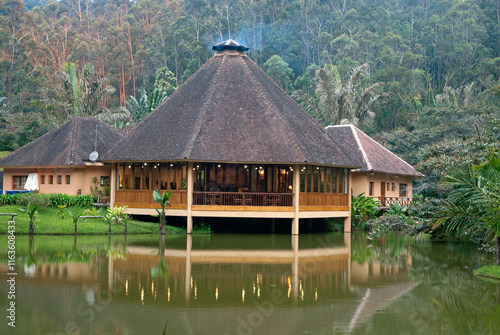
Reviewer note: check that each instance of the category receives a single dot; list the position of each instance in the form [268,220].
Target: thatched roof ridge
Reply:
[69,144]
[374,156]
[231,111]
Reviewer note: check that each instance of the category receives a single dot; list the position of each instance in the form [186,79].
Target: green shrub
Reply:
[71,200]
[42,200]
[362,209]
[94,211]
[9,199]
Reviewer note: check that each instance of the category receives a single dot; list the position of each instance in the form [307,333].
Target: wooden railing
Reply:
[323,199]
[143,197]
[388,201]
[242,199]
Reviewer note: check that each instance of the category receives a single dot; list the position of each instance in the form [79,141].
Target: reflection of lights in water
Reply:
[191,282]
[152,287]
[258,292]
[142,295]
[243,295]
[301,289]
[216,293]
[29,271]
[316,294]
[126,286]
[168,294]
[289,282]
[195,291]
[253,288]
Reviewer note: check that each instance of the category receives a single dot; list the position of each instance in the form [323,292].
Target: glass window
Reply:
[322,179]
[42,179]
[315,179]
[68,179]
[59,179]
[370,188]
[302,179]
[51,179]
[346,181]
[146,177]
[328,183]
[402,190]
[340,188]
[309,178]
[334,180]
[19,182]
[104,180]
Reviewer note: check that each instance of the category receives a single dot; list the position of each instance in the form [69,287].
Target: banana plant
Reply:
[75,218]
[31,211]
[163,200]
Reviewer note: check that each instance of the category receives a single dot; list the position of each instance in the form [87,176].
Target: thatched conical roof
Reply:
[231,111]
[69,144]
[374,156]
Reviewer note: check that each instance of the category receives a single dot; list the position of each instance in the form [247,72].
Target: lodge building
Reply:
[231,143]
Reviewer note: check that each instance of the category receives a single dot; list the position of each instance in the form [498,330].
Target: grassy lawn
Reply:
[490,271]
[49,222]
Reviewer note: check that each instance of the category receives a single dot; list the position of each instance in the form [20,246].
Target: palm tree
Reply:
[339,101]
[163,200]
[473,204]
[145,105]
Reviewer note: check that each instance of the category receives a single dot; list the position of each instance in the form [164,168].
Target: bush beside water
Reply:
[46,200]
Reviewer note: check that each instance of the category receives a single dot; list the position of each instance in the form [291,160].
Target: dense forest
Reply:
[421,76]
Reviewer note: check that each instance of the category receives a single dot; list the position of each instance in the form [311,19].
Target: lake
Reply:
[224,284]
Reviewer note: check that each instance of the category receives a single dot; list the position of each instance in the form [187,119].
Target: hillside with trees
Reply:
[421,76]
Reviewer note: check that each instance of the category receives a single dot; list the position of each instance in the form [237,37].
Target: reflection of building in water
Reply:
[67,272]
[202,290]
[236,276]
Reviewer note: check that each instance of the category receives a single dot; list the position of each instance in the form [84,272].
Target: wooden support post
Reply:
[296,198]
[347,220]
[190,188]
[113,186]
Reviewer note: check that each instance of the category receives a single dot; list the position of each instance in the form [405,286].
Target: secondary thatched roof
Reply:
[69,144]
[373,155]
[231,111]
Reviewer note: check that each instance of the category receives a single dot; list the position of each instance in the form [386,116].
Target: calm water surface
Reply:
[248,284]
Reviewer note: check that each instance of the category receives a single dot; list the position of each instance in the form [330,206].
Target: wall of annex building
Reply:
[393,184]
[64,180]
